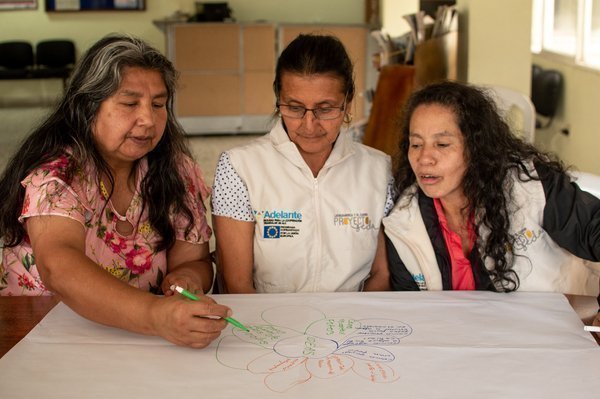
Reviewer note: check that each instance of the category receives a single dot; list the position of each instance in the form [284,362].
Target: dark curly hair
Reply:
[492,153]
[95,78]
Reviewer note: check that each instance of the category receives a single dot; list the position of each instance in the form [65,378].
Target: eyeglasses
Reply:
[321,113]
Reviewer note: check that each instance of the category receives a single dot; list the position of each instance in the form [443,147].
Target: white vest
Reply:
[540,263]
[313,234]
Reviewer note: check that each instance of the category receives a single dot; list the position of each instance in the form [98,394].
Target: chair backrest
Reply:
[55,53]
[588,182]
[16,55]
[518,110]
[546,90]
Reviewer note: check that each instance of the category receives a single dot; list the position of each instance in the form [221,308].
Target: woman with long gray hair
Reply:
[103,204]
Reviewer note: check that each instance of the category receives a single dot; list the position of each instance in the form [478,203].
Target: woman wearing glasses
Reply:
[300,208]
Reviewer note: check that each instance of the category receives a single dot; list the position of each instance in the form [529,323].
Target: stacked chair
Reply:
[52,59]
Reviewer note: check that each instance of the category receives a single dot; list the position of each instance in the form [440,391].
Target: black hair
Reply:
[310,54]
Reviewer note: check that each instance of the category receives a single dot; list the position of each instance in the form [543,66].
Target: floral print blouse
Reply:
[131,258]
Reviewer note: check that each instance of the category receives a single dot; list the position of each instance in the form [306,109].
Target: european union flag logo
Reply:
[272,232]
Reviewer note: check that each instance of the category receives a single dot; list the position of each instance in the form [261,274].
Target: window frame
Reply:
[541,29]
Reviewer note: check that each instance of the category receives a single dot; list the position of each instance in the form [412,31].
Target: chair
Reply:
[55,59]
[546,91]
[518,110]
[16,60]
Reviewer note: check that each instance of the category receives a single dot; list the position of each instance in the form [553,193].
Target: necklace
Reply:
[104,192]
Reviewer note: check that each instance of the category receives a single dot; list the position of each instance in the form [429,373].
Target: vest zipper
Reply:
[319,237]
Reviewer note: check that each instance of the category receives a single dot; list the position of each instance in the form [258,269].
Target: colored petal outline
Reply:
[336,329]
[273,363]
[264,335]
[367,353]
[330,366]
[282,382]
[280,315]
[390,331]
[229,355]
[307,346]
[375,372]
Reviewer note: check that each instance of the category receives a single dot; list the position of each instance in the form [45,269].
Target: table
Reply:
[320,345]
[18,315]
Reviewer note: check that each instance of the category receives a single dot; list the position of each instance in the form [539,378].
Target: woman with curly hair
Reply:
[480,209]
[102,205]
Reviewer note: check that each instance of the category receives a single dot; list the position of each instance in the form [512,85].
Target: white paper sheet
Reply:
[347,345]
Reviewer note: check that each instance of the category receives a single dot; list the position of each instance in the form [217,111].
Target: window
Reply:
[568,27]
[591,35]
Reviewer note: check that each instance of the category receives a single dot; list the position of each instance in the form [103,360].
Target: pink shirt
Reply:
[131,258]
[462,272]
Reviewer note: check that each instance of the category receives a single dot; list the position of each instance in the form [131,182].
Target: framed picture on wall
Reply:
[95,5]
[17,5]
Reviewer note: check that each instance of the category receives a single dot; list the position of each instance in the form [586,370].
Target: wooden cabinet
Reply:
[227,71]
[355,39]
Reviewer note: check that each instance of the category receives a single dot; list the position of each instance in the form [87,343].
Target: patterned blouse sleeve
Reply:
[230,195]
[47,194]
[197,194]
[391,192]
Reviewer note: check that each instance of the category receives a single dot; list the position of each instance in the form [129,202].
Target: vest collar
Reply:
[342,148]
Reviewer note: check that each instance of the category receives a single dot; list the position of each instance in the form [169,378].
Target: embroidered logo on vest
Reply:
[272,232]
[420,280]
[279,223]
[525,237]
[355,221]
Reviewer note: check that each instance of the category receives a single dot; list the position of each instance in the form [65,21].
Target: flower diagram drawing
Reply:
[325,347]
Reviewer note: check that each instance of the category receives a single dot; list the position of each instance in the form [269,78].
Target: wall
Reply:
[494,43]
[577,112]
[305,11]
[391,15]
[489,53]
[87,27]
[493,48]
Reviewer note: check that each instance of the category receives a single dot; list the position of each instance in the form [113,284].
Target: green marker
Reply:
[193,297]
